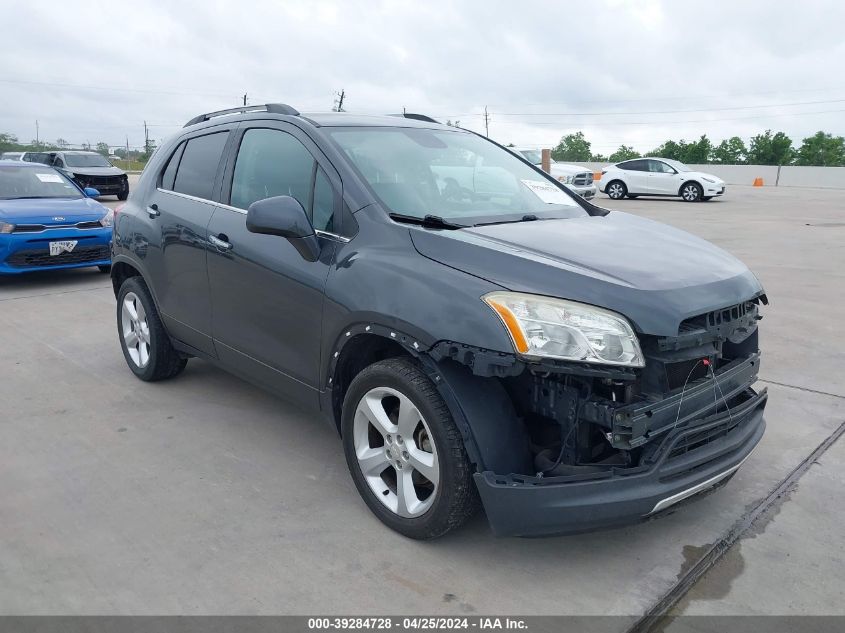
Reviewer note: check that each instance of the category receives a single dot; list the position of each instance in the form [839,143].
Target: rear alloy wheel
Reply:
[691,192]
[146,346]
[616,190]
[404,452]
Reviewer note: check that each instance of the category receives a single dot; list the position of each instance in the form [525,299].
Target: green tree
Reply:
[696,152]
[8,141]
[149,148]
[770,149]
[103,148]
[821,149]
[572,148]
[599,158]
[669,149]
[731,151]
[624,152]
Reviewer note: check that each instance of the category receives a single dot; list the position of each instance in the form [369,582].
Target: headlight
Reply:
[543,327]
[6,228]
[108,218]
[708,179]
[567,180]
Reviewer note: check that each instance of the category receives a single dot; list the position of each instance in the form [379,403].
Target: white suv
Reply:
[658,177]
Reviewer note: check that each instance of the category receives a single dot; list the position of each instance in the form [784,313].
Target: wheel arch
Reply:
[481,408]
[696,183]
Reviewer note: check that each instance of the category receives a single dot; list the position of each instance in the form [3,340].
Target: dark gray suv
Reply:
[474,331]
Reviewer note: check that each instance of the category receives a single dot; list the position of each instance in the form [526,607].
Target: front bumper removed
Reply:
[689,460]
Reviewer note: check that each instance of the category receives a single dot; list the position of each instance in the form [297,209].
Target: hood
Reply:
[569,170]
[703,174]
[94,171]
[44,210]
[654,274]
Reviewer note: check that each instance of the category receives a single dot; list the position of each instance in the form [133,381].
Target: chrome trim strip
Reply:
[680,496]
[186,196]
[332,236]
[52,227]
[324,234]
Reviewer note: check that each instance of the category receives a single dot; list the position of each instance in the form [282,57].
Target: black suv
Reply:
[86,169]
[474,331]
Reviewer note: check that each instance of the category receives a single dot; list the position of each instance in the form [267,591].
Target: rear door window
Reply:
[198,167]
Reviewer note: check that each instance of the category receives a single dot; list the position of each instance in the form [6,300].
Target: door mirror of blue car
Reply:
[90,192]
[285,217]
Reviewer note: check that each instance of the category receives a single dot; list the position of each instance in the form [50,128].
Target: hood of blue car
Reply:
[50,211]
[652,273]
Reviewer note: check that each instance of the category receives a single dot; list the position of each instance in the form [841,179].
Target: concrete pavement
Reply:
[205,495]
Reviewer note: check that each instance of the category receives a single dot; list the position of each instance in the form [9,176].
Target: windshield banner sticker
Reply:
[50,178]
[547,192]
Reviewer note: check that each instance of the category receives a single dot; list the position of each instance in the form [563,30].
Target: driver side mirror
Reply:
[284,216]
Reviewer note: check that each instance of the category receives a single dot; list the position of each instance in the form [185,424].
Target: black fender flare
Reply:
[493,433]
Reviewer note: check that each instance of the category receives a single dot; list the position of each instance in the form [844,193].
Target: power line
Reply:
[741,118]
[749,107]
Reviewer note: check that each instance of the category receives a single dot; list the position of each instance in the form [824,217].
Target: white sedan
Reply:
[658,177]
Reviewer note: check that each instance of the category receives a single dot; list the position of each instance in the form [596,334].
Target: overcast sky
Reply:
[619,71]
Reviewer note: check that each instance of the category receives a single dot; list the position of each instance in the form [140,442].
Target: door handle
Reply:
[153,211]
[220,241]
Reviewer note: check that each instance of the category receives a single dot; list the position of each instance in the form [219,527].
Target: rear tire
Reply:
[616,190]
[691,192]
[398,430]
[146,346]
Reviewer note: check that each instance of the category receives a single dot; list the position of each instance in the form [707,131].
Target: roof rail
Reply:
[275,108]
[417,117]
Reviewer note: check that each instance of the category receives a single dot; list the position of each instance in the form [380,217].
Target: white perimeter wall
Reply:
[828,177]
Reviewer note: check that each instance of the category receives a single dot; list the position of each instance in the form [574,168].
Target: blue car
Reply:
[48,223]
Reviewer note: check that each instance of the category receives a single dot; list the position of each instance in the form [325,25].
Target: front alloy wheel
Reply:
[617,190]
[395,452]
[691,192]
[404,451]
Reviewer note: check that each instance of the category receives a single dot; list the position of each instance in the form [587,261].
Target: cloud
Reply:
[541,68]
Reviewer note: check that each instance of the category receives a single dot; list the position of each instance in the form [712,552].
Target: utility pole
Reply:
[37,138]
[244,99]
[486,123]
[146,139]
[338,103]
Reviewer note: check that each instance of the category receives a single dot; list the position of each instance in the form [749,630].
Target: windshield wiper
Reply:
[428,221]
[528,217]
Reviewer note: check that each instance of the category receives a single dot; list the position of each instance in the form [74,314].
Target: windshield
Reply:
[676,164]
[455,175]
[86,160]
[27,182]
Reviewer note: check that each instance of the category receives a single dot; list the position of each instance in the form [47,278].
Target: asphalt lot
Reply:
[204,495]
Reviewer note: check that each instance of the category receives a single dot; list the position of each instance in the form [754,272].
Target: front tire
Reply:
[404,452]
[616,190]
[691,192]
[146,346]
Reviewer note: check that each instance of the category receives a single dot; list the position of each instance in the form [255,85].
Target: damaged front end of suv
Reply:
[652,421]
